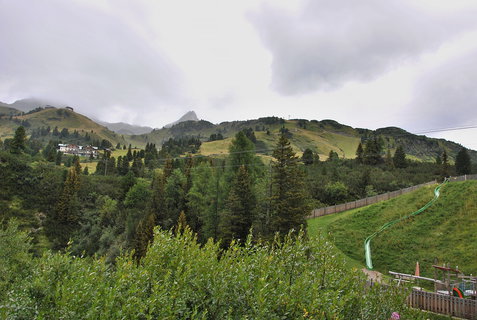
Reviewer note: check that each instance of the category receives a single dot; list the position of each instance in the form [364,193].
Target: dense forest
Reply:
[234,208]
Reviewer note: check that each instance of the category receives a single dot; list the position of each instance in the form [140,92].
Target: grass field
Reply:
[447,230]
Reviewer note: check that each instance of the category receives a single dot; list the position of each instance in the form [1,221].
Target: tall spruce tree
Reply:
[18,142]
[399,158]
[240,210]
[307,156]
[372,152]
[360,153]
[463,164]
[289,201]
[65,218]
[445,172]
[157,198]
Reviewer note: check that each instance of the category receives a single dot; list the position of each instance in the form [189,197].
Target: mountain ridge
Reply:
[321,137]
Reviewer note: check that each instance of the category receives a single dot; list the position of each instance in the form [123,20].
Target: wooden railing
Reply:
[443,304]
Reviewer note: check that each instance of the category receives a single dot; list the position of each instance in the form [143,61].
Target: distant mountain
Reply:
[29,104]
[189,116]
[125,128]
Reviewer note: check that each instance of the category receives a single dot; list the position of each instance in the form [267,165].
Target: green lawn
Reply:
[447,230]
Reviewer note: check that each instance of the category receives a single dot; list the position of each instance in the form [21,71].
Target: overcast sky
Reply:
[367,63]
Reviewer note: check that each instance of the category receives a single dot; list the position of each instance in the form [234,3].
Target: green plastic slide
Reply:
[367,242]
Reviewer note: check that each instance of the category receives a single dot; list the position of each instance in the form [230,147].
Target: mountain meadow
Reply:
[205,221]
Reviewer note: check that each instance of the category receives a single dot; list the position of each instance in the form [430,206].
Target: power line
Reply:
[446,129]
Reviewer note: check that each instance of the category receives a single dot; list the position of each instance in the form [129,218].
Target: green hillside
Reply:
[6,110]
[61,118]
[319,136]
[447,230]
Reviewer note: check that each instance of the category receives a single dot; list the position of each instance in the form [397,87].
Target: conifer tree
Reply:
[240,208]
[399,158]
[360,153]
[389,159]
[17,145]
[144,236]
[204,200]
[168,168]
[174,198]
[77,165]
[445,165]
[137,167]
[289,201]
[157,198]
[65,217]
[129,154]
[307,156]
[58,157]
[462,162]
[372,152]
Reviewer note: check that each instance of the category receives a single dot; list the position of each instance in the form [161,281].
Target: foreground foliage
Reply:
[180,279]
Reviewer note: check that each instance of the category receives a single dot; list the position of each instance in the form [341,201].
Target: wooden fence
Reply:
[364,202]
[381,197]
[443,304]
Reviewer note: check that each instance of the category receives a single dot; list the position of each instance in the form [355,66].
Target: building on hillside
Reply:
[85,151]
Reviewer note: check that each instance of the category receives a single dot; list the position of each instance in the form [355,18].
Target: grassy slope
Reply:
[447,230]
[62,118]
[317,139]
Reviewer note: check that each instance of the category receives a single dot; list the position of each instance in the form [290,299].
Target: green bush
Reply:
[181,279]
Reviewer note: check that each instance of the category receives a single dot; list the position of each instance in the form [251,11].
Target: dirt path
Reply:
[373,275]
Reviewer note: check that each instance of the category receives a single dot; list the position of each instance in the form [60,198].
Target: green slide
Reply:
[367,242]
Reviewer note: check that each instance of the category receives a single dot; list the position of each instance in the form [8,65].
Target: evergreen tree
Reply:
[389,159]
[86,171]
[360,153]
[157,198]
[65,218]
[399,158]
[124,167]
[144,236]
[129,154]
[289,201]
[181,222]
[462,162]
[77,165]
[174,198]
[137,167]
[168,168]
[58,157]
[18,143]
[445,165]
[372,152]
[242,152]
[333,156]
[307,156]
[240,209]
[204,200]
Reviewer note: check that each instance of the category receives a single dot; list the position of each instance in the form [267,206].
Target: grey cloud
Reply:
[333,42]
[446,97]
[77,54]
